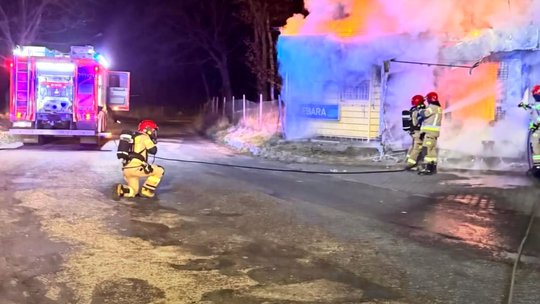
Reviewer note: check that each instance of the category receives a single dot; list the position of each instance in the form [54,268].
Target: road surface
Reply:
[236,236]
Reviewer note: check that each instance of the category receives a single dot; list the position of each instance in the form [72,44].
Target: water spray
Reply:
[471,68]
[471,100]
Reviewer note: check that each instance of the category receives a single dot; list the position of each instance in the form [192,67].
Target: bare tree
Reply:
[23,22]
[205,28]
[263,16]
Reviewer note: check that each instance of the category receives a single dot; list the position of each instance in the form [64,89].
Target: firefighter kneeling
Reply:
[411,124]
[431,128]
[133,150]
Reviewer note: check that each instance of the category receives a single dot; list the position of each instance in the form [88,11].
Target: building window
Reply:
[499,113]
[502,74]
[502,77]
[356,93]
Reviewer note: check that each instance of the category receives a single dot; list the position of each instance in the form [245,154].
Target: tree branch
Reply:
[22,22]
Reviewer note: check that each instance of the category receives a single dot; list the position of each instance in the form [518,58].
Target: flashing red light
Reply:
[11,65]
[96,68]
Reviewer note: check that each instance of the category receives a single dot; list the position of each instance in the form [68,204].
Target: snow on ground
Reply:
[4,126]
[249,134]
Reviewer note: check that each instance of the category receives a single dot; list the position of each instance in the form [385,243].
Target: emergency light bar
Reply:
[86,52]
[54,66]
[102,60]
[36,51]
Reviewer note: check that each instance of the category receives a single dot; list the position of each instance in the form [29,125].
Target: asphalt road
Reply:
[225,235]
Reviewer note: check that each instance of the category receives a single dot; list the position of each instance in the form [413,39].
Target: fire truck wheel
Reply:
[90,141]
[33,140]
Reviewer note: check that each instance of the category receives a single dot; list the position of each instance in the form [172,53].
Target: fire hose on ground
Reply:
[278,169]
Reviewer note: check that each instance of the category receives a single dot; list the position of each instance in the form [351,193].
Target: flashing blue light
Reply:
[102,60]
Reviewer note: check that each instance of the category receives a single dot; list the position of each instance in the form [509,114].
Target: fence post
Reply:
[369,123]
[224,104]
[260,109]
[232,108]
[280,112]
[244,107]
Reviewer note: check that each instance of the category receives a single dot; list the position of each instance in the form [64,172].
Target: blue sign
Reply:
[320,111]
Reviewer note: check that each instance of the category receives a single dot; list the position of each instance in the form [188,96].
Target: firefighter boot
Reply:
[412,167]
[433,169]
[145,192]
[150,186]
[428,169]
[120,191]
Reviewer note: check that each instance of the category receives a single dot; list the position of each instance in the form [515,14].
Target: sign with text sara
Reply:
[320,111]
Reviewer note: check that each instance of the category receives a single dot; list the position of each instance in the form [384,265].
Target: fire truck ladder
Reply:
[22,86]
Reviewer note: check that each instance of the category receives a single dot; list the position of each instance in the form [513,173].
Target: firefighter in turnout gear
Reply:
[431,127]
[417,103]
[534,127]
[135,161]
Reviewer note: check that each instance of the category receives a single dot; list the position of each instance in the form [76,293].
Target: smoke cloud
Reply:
[340,42]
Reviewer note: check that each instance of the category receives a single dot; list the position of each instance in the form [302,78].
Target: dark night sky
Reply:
[155,78]
[137,39]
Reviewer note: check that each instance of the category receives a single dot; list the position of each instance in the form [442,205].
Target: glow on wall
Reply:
[474,99]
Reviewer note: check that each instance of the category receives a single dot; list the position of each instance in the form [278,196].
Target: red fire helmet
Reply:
[432,97]
[536,90]
[417,100]
[147,126]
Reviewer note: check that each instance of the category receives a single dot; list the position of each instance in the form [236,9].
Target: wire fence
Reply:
[266,116]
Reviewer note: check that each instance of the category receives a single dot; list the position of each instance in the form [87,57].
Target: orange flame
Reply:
[472,96]
[364,17]
[380,17]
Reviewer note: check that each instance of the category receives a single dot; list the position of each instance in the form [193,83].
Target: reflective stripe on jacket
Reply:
[432,120]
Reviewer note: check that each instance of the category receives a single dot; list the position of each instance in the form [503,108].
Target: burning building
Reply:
[350,67]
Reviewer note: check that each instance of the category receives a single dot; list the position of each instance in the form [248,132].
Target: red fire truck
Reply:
[64,94]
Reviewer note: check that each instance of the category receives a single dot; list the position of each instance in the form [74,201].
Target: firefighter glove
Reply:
[148,169]
[523,105]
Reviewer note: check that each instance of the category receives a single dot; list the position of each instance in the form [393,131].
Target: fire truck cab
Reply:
[59,94]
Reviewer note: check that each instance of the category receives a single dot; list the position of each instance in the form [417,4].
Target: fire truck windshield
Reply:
[54,94]
[54,91]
